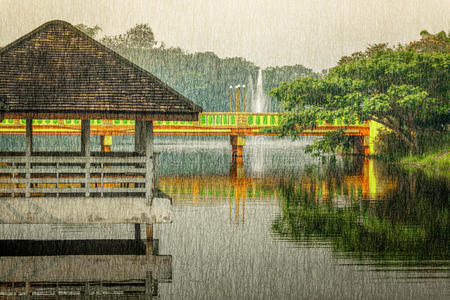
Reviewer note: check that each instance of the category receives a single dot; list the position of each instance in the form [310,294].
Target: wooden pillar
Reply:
[137,231]
[86,151]
[148,131]
[149,239]
[139,137]
[28,290]
[28,153]
[149,285]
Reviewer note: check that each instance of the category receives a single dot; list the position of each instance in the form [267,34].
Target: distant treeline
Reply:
[202,77]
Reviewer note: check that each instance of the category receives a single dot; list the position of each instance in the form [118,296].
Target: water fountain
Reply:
[259,104]
[260,101]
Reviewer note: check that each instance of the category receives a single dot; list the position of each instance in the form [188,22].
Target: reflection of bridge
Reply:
[235,125]
[367,183]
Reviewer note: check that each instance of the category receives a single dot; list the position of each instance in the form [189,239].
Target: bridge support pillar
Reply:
[361,145]
[237,147]
[365,144]
[237,170]
[105,143]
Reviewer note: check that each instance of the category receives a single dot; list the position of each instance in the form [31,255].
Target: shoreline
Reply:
[435,162]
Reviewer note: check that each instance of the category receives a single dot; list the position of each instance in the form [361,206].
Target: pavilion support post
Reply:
[148,131]
[149,239]
[28,153]
[86,151]
[139,137]
[137,231]
[149,285]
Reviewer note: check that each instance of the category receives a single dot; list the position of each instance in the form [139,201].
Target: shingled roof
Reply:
[57,71]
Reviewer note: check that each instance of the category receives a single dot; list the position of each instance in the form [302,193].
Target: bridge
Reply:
[236,125]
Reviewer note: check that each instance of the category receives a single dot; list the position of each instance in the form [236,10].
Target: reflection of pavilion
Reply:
[83,267]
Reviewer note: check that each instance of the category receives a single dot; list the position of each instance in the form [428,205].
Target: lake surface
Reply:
[236,236]
[285,225]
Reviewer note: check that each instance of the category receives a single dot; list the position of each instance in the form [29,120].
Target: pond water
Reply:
[286,226]
[283,225]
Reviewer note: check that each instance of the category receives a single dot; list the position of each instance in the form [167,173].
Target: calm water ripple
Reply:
[292,240]
[281,226]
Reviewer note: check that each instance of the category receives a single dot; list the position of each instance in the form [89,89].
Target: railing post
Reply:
[102,176]
[57,179]
[148,126]
[155,171]
[29,151]
[14,180]
[86,150]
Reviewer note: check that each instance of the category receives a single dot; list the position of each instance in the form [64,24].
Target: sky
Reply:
[314,33]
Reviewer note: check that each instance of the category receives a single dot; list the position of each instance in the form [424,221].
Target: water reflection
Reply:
[226,244]
[73,267]
[288,228]
[412,223]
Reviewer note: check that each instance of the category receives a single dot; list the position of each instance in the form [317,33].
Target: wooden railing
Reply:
[69,175]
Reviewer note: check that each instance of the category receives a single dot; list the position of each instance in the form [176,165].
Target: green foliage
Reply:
[333,142]
[429,142]
[390,147]
[138,37]
[274,76]
[90,31]
[400,88]
[435,159]
[438,42]
[203,77]
[413,223]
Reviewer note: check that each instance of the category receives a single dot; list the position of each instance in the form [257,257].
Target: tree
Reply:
[398,87]
[273,76]
[138,37]
[438,42]
[90,31]
[202,77]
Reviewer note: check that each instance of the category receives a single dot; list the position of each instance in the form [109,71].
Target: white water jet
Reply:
[260,104]
[258,143]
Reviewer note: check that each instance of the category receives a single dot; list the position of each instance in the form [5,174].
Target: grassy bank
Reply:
[434,156]
[434,162]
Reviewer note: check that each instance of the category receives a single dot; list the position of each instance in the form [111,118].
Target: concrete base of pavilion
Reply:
[85,210]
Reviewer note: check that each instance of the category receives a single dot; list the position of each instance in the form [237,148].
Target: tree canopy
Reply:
[202,77]
[138,37]
[90,31]
[402,88]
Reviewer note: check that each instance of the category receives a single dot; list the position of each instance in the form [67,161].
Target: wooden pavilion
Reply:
[58,73]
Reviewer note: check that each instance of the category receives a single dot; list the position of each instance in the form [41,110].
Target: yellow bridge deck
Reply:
[210,123]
